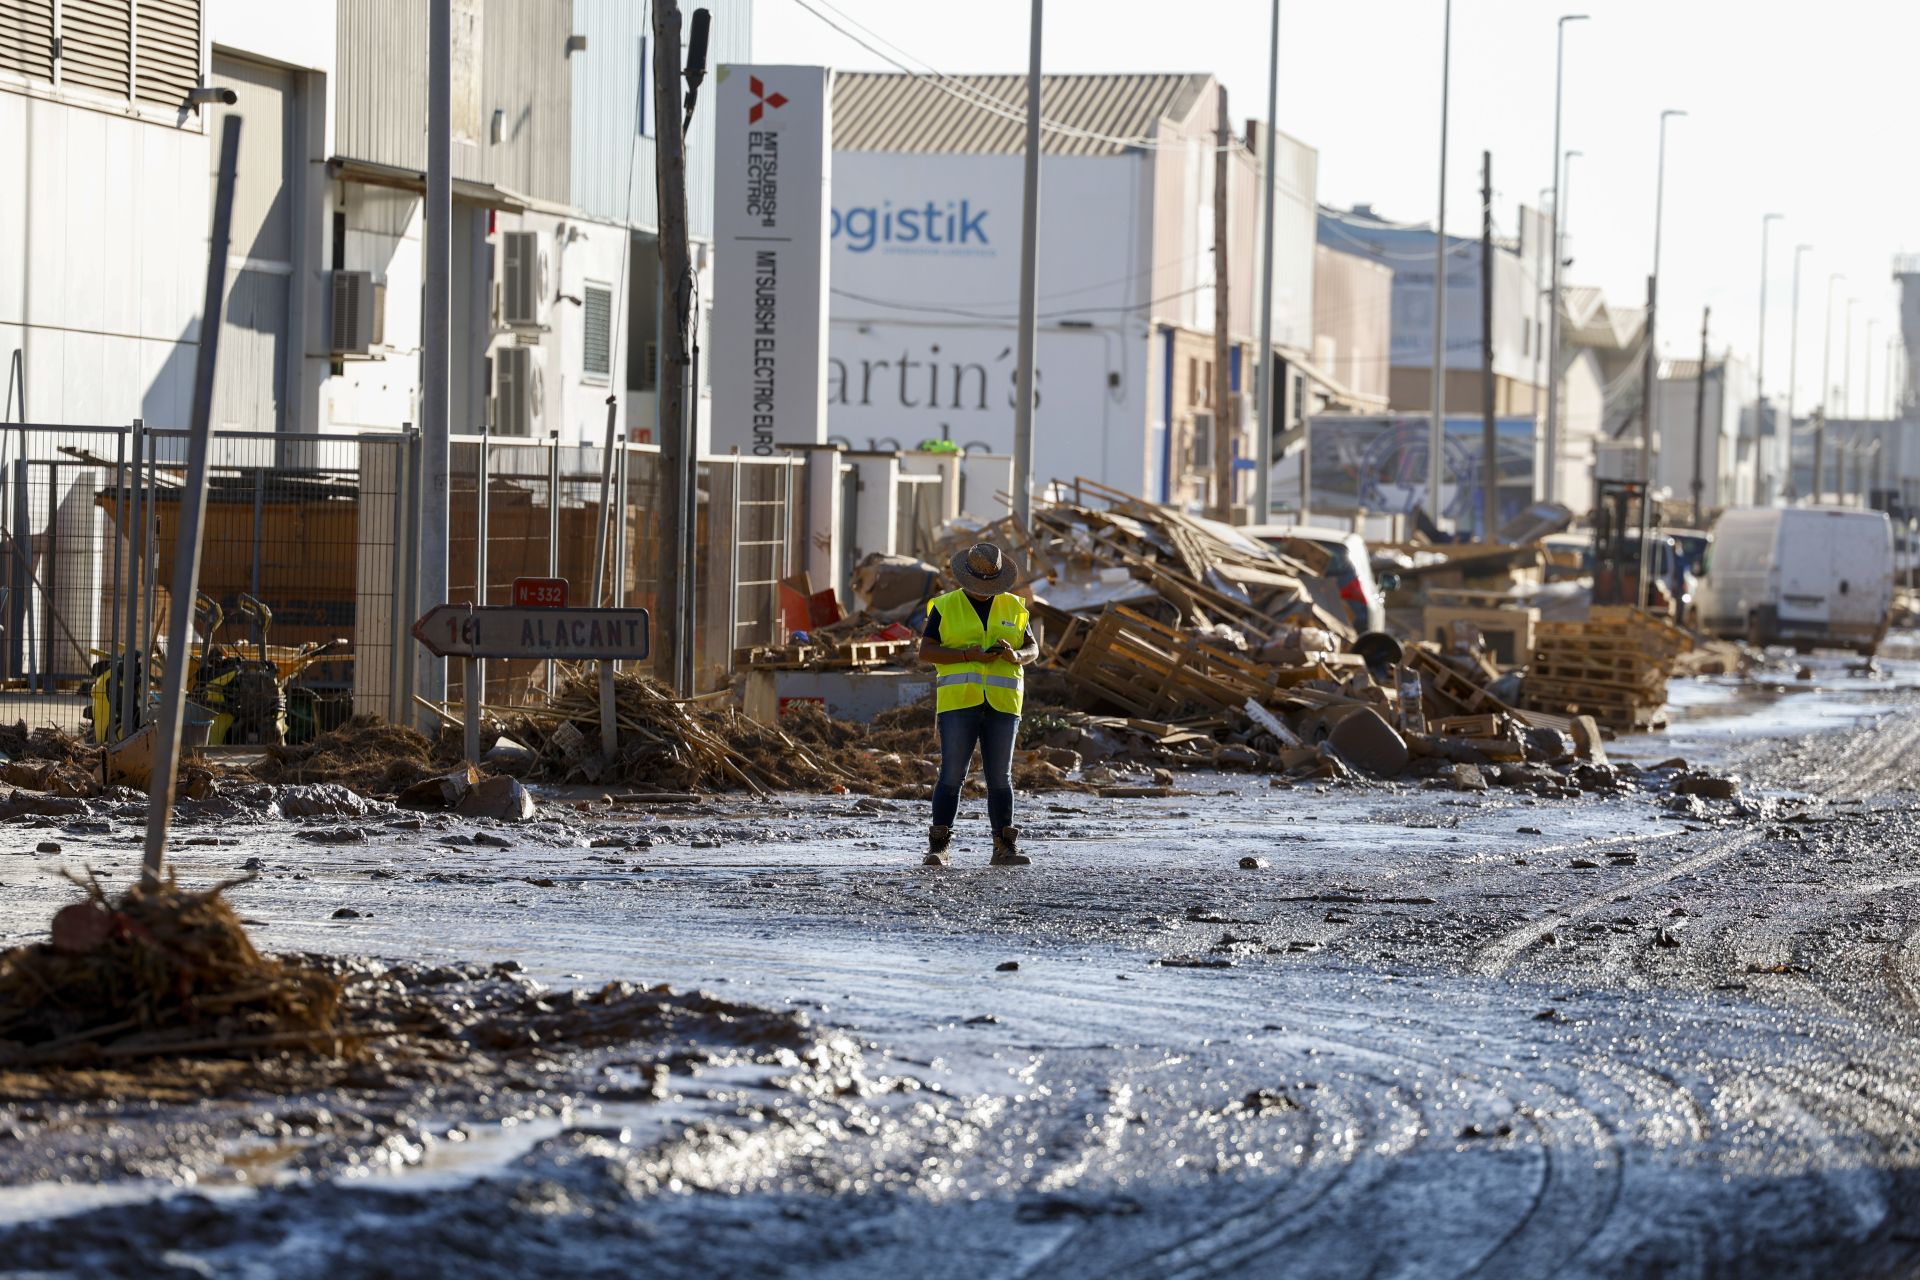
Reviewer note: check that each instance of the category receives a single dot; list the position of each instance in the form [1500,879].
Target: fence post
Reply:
[733,564]
[150,539]
[620,532]
[24,633]
[110,731]
[482,516]
[137,661]
[396,633]
[553,526]
[411,601]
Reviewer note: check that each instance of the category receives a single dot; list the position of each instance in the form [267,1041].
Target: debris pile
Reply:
[160,971]
[701,744]
[1613,666]
[366,754]
[47,759]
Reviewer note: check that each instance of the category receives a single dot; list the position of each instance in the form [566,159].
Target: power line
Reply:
[979,99]
[936,309]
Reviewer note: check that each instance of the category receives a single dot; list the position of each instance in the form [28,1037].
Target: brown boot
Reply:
[1006,851]
[938,838]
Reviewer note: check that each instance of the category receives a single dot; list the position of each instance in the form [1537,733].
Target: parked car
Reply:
[1349,567]
[1805,576]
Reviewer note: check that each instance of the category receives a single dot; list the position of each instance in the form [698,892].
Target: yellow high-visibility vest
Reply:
[998,683]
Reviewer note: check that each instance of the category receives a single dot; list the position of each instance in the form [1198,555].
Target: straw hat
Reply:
[984,569]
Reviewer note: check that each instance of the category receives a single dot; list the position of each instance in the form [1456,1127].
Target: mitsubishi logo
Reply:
[763,101]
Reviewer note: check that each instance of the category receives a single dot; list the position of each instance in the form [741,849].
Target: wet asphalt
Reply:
[1434,1034]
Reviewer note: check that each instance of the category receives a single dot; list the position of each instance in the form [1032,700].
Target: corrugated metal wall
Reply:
[381,103]
[607,82]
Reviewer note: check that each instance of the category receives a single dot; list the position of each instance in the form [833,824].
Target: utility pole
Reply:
[1489,434]
[674,643]
[1760,379]
[1819,453]
[1652,386]
[436,341]
[1223,423]
[1826,399]
[1436,434]
[1700,422]
[1029,290]
[1263,387]
[1551,450]
[1793,371]
[1651,370]
[1846,361]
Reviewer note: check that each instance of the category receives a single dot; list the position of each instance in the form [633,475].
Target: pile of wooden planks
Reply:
[1614,666]
[1154,670]
[849,655]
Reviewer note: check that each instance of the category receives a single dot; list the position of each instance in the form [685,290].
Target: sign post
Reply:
[539,632]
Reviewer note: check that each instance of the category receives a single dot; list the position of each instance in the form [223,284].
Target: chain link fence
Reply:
[319,531]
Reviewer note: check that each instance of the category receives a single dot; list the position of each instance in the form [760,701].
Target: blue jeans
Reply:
[994,732]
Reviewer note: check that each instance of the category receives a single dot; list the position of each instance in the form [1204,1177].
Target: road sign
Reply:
[496,631]
[539,593]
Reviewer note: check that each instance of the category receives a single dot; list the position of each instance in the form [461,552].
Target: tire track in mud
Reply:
[1494,958]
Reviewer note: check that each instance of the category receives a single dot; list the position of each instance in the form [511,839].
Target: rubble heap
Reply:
[159,971]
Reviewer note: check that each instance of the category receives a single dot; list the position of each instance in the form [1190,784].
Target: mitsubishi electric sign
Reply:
[771,225]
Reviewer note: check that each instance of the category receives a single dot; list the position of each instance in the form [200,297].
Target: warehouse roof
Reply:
[1088,115]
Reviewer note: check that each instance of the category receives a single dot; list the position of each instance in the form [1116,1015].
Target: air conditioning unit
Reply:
[517,391]
[523,284]
[359,314]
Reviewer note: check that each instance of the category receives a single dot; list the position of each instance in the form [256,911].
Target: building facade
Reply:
[103,241]
[927,190]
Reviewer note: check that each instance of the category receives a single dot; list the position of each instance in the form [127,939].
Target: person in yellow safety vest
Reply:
[977,639]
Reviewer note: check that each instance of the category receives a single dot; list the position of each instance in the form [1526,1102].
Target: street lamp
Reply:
[1826,398]
[1552,442]
[1651,372]
[1866,358]
[1760,377]
[1846,360]
[1436,435]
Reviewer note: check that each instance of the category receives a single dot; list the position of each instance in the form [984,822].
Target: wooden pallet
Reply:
[851,656]
[1152,670]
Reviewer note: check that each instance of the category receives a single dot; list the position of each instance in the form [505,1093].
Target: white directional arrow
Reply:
[494,631]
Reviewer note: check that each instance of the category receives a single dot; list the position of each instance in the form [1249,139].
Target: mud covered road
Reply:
[1435,1034]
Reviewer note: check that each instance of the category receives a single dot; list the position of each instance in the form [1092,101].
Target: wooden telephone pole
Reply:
[1223,422]
[679,449]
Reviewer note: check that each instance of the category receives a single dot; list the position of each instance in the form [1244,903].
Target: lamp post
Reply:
[1760,377]
[1551,447]
[1866,359]
[1436,435]
[1793,364]
[1846,360]
[1651,369]
[1826,398]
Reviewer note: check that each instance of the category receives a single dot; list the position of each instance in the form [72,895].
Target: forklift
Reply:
[1618,513]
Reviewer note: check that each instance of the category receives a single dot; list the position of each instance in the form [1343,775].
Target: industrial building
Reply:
[110,109]
[927,188]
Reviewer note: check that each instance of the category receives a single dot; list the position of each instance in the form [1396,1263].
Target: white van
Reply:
[1805,576]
